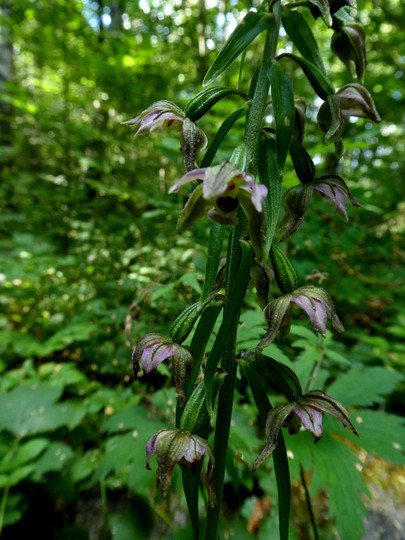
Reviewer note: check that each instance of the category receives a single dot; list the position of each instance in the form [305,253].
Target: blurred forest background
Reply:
[90,262]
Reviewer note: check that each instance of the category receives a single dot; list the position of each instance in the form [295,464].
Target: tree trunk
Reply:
[6,77]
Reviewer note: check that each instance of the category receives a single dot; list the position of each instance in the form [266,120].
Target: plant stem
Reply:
[228,364]
[226,392]
[259,102]
[3,506]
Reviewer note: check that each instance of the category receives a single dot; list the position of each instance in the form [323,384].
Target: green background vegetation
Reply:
[90,262]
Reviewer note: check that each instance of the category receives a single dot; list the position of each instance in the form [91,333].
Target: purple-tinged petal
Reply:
[315,310]
[258,194]
[310,418]
[154,355]
[150,449]
[317,293]
[195,450]
[221,179]
[190,176]
[336,196]
[321,401]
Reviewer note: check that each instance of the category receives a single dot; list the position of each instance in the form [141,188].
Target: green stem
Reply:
[3,506]
[237,276]
[259,102]
[234,268]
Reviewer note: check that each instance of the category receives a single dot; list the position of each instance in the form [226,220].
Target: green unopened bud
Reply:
[349,44]
[193,142]
[284,272]
[184,323]
[195,414]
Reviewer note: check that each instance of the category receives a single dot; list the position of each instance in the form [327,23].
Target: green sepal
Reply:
[324,10]
[225,127]
[274,422]
[246,31]
[317,79]
[270,175]
[283,109]
[255,225]
[195,207]
[303,164]
[206,98]
[284,272]
[301,35]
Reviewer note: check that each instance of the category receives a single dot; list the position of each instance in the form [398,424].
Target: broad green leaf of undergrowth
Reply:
[332,465]
[365,386]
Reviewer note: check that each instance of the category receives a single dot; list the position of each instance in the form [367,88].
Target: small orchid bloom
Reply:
[222,189]
[351,100]
[160,114]
[166,114]
[307,411]
[296,200]
[173,446]
[153,349]
[315,301]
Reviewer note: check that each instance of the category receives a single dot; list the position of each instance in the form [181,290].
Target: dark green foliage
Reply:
[90,262]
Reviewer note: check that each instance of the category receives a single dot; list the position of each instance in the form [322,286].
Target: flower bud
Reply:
[349,44]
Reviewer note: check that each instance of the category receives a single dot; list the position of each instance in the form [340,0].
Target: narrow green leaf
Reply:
[280,459]
[232,309]
[318,80]
[282,376]
[246,31]
[204,100]
[283,108]
[303,164]
[226,126]
[199,343]
[271,177]
[215,242]
[301,35]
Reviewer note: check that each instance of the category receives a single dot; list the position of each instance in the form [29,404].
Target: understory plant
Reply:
[254,215]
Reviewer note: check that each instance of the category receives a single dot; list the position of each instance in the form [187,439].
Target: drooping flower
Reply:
[166,114]
[153,349]
[349,44]
[223,188]
[315,301]
[296,200]
[173,446]
[307,411]
[351,100]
